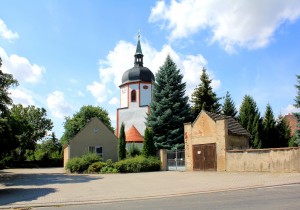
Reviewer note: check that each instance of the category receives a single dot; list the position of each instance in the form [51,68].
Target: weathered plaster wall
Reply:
[205,131]
[66,155]
[264,160]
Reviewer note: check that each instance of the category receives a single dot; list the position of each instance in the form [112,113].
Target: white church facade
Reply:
[135,99]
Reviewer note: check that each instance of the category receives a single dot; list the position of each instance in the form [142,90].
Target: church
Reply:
[135,98]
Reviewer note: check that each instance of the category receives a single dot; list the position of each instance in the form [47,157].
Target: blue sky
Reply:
[66,54]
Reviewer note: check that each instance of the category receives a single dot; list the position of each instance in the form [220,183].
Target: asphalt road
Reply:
[281,197]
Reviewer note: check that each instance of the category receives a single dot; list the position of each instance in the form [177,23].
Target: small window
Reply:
[99,150]
[96,149]
[133,96]
[91,149]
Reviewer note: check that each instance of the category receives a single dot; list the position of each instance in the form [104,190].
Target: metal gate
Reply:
[205,157]
[176,160]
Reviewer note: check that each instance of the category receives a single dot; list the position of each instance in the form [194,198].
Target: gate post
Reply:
[163,159]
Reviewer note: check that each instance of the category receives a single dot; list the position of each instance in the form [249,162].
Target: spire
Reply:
[138,47]
[138,57]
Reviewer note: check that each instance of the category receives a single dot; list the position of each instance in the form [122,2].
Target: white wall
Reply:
[133,116]
[145,94]
[124,96]
[134,87]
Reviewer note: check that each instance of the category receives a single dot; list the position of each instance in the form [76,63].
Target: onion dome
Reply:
[138,73]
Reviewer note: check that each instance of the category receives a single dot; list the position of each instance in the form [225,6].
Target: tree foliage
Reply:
[6,81]
[49,149]
[30,124]
[282,133]
[204,97]
[297,105]
[269,129]
[74,124]
[228,107]
[122,143]
[249,117]
[148,146]
[169,107]
[7,142]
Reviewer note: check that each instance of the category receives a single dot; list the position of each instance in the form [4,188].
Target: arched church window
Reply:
[133,96]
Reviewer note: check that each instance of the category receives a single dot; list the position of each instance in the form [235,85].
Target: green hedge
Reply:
[96,167]
[138,164]
[81,164]
[90,163]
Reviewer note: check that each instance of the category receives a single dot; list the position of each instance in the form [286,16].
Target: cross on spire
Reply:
[138,57]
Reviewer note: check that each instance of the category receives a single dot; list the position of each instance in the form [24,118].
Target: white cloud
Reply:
[113,117]
[290,109]
[114,101]
[21,68]
[121,59]
[6,33]
[242,23]
[216,84]
[22,96]
[79,93]
[58,105]
[99,91]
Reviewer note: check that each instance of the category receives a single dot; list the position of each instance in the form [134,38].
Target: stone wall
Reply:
[264,160]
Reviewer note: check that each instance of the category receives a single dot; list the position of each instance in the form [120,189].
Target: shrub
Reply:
[81,164]
[90,158]
[138,164]
[96,167]
[74,165]
[109,168]
[133,150]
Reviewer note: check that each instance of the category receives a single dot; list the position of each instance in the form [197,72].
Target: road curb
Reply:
[58,204]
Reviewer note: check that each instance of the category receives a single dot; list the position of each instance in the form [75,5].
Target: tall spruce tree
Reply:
[169,107]
[148,146]
[122,143]
[228,107]
[269,129]
[297,114]
[204,97]
[283,133]
[249,117]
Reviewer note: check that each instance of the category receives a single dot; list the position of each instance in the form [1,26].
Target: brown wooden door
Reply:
[197,159]
[205,157]
[210,157]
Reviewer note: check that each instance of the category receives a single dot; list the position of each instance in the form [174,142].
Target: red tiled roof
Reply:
[133,135]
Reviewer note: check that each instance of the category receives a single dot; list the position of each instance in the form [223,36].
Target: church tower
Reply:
[135,98]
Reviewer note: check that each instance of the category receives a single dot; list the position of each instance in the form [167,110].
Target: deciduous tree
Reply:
[74,124]
[30,124]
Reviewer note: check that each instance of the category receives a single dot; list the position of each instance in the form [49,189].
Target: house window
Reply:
[91,149]
[133,96]
[96,149]
[99,151]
